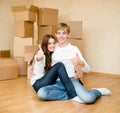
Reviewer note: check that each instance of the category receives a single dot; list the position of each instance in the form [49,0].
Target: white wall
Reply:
[7,22]
[101,29]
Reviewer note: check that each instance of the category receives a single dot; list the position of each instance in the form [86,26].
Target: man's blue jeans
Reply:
[57,92]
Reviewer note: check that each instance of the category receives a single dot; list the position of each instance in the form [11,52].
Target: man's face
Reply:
[62,36]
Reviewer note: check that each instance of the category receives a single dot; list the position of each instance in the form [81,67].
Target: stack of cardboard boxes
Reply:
[47,19]
[24,19]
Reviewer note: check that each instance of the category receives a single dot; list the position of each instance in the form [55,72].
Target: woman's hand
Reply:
[30,72]
[40,54]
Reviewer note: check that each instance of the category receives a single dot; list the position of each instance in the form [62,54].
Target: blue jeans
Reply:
[58,92]
[87,96]
[58,70]
[53,92]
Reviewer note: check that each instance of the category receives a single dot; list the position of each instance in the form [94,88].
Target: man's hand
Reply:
[77,76]
[76,61]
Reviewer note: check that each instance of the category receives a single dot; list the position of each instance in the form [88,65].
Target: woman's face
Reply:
[51,45]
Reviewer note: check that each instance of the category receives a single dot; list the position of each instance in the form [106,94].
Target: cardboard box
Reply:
[39,41]
[19,46]
[4,53]
[24,29]
[28,71]
[43,30]
[22,65]
[25,13]
[75,29]
[29,52]
[8,68]
[47,16]
[79,43]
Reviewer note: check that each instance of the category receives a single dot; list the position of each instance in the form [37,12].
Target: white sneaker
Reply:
[77,99]
[104,91]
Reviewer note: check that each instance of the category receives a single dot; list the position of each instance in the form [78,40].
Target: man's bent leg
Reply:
[87,96]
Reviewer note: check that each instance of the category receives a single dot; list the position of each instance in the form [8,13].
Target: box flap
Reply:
[33,8]
[49,10]
[19,8]
[24,8]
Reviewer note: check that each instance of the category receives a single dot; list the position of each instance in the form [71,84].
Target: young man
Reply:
[70,56]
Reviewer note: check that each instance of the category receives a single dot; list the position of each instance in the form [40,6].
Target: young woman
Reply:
[44,74]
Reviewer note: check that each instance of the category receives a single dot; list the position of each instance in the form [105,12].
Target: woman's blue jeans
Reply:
[58,70]
[53,92]
[58,92]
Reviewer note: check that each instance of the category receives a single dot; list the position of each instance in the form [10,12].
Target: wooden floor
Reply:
[17,96]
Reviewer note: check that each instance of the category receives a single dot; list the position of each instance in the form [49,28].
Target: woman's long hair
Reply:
[47,53]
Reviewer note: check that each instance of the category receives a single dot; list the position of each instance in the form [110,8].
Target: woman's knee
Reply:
[59,64]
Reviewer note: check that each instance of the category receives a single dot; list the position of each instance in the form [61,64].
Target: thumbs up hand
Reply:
[77,61]
[40,53]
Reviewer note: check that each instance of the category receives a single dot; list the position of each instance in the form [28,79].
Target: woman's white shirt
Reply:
[38,69]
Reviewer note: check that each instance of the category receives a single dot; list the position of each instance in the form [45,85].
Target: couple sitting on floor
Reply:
[53,70]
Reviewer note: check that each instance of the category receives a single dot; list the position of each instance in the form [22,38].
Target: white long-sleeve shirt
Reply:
[65,54]
[38,69]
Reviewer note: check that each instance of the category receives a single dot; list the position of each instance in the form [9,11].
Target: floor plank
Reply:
[17,96]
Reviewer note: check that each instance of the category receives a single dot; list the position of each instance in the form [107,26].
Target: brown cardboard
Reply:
[75,29]
[43,30]
[39,41]
[22,65]
[4,53]
[28,71]
[19,46]
[24,29]
[25,13]
[79,43]
[8,68]
[29,52]
[47,16]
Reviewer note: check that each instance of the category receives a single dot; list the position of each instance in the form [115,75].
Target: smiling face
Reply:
[48,43]
[62,34]
[51,45]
